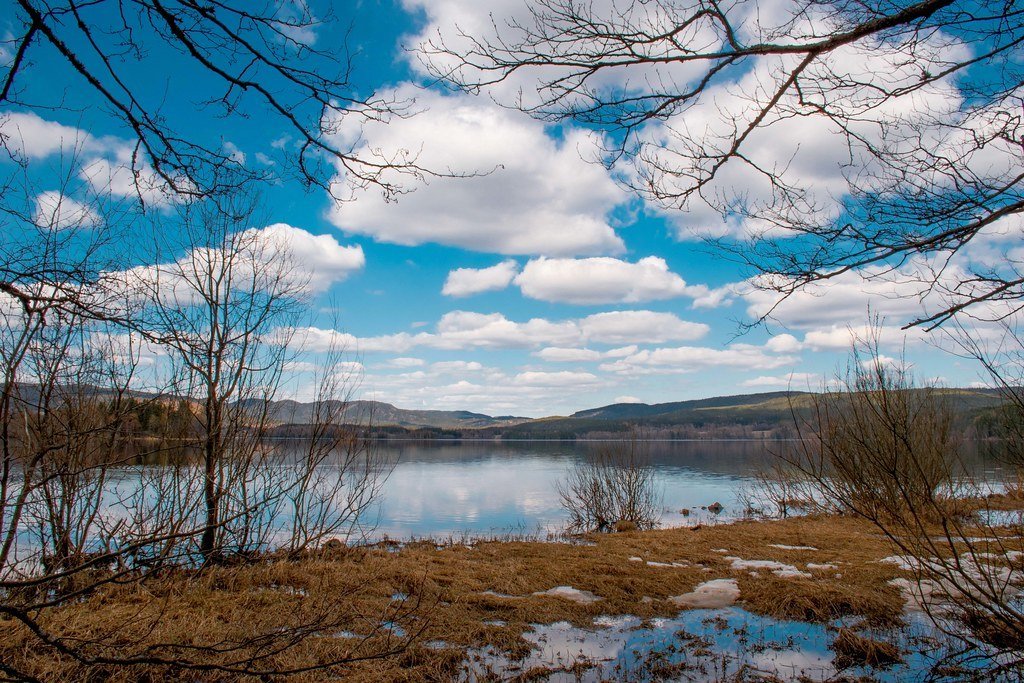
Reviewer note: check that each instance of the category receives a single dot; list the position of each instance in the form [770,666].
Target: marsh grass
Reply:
[469,595]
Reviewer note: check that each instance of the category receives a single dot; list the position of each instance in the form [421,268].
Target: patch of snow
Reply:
[785,571]
[348,635]
[504,596]
[791,547]
[901,561]
[569,593]
[636,559]
[709,595]
[813,565]
[667,564]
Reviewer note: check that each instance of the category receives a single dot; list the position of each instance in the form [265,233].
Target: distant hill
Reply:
[379,414]
[630,411]
[764,415]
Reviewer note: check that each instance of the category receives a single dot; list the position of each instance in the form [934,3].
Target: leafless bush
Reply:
[883,449]
[877,445]
[614,489]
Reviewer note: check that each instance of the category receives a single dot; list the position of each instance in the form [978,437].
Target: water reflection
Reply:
[483,488]
[494,487]
[701,645]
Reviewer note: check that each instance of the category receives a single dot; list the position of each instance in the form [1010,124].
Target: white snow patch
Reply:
[791,547]
[813,565]
[785,571]
[570,593]
[709,595]
[504,596]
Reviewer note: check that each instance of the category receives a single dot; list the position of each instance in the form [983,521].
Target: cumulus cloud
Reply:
[555,354]
[279,257]
[29,136]
[461,385]
[321,257]
[107,163]
[691,358]
[57,211]
[563,378]
[637,327]
[467,281]
[406,362]
[797,381]
[466,329]
[600,280]
[533,194]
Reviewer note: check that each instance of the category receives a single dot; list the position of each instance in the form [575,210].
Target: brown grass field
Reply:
[465,595]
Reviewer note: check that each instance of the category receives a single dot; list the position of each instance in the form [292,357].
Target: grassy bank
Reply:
[424,604]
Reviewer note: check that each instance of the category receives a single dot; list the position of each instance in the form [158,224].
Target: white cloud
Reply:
[299,263]
[461,385]
[798,381]
[556,379]
[107,163]
[321,257]
[28,136]
[467,281]
[465,329]
[638,327]
[234,153]
[450,367]
[627,399]
[534,194]
[692,358]
[898,294]
[600,280]
[406,362]
[57,211]
[460,329]
[557,354]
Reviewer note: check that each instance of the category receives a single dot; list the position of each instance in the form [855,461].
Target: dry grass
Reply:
[467,596]
[855,650]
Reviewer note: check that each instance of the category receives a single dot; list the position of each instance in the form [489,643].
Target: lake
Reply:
[482,488]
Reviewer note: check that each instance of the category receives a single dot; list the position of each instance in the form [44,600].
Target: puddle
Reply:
[1000,518]
[699,645]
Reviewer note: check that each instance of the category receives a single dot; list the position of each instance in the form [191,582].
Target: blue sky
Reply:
[539,286]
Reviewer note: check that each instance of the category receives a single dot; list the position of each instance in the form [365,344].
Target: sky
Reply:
[537,285]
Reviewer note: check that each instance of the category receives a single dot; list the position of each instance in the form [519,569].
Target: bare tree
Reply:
[222,311]
[90,499]
[909,113]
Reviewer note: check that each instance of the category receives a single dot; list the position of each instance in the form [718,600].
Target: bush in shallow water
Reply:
[614,489]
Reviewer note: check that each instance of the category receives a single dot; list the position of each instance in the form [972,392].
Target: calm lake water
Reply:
[494,487]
